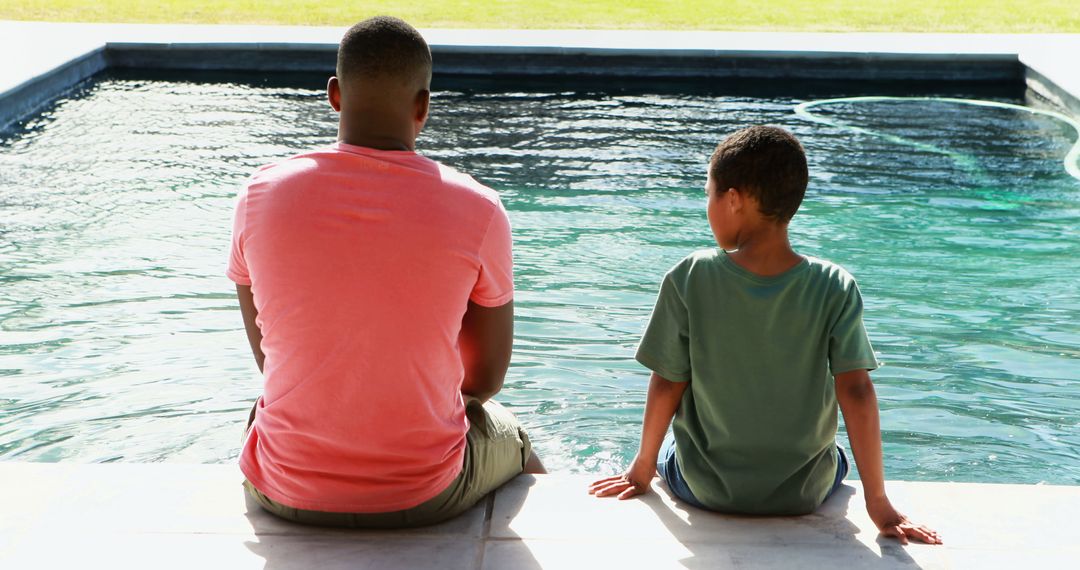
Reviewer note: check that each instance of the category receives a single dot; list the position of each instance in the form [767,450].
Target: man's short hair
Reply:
[767,163]
[383,46]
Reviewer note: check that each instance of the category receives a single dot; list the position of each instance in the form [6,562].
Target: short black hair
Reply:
[382,46]
[768,163]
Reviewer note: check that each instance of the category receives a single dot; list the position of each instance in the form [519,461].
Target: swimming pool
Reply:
[120,340]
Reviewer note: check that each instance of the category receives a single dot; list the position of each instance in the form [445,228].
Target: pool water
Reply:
[120,338]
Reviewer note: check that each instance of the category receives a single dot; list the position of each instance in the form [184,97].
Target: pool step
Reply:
[197,516]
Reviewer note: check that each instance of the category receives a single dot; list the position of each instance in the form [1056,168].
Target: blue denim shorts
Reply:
[669,472]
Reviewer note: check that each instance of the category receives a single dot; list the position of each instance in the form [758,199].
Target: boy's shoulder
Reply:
[833,274]
[828,268]
[697,260]
[714,263]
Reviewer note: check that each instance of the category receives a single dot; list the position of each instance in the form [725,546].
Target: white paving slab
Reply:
[191,516]
[216,551]
[556,521]
[157,498]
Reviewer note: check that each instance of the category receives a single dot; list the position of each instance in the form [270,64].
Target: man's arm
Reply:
[486,341]
[660,406]
[249,312]
[858,402]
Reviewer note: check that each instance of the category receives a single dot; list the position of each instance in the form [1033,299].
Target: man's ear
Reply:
[333,93]
[420,109]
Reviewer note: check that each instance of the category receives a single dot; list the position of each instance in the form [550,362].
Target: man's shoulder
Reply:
[301,164]
[416,168]
[454,178]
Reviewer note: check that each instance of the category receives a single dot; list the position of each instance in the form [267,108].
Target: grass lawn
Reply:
[998,16]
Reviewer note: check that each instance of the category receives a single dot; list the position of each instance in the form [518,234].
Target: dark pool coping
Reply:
[49,59]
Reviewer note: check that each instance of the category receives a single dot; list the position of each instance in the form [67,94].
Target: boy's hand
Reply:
[891,523]
[635,481]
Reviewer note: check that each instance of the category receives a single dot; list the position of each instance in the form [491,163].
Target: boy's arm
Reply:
[660,406]
[858,402]
[249,312]
[486,341]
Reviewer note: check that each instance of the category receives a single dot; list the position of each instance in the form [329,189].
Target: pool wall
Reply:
[47,60]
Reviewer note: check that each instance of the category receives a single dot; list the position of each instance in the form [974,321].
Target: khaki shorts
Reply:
[496,451]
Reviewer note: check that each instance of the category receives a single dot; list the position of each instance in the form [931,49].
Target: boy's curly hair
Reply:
[767,163]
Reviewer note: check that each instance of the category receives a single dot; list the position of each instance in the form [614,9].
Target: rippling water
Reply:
[120,339]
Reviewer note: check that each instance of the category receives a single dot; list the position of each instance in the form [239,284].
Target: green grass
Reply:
[997,16]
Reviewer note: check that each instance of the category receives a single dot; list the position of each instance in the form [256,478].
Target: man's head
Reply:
[766,164]
[383,80]
[384,49]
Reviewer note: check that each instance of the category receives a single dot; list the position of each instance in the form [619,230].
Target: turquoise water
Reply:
[120,339]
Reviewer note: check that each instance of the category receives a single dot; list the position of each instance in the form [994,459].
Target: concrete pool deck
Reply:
[197,516]
[43,60]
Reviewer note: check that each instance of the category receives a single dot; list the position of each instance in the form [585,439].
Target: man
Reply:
[376,287]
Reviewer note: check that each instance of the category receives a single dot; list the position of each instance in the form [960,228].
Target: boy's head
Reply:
[382,85]
[766,164]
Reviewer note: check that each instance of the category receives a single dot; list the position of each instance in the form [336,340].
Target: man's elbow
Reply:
[483,384]
[482,393]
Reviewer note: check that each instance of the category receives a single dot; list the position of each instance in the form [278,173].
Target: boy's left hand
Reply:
[634,482]
[892,523]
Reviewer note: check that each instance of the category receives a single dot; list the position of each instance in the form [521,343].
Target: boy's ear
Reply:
[736,199]
[333,93]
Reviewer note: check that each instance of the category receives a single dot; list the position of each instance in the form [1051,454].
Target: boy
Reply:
[376,289]
[742,345]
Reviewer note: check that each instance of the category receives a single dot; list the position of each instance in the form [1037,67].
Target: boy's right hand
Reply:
[634,482]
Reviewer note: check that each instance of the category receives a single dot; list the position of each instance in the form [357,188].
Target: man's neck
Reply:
[377,142]
[387,130]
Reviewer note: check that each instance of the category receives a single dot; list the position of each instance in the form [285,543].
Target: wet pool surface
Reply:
[120,339]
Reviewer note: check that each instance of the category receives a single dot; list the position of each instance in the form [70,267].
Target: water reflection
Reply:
[120,340]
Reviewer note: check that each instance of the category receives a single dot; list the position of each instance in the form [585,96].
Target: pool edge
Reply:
[130,515]
[92,48]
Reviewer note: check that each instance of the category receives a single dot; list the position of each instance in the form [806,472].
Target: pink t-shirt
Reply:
[362,263]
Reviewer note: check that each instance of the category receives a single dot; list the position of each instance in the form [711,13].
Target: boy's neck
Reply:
[765,250]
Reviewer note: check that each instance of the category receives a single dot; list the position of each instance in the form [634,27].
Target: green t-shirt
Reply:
[756,431]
